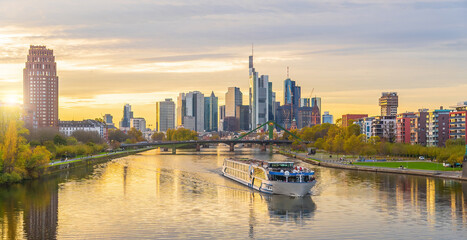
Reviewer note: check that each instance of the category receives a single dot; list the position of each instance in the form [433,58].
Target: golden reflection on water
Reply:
[159,195]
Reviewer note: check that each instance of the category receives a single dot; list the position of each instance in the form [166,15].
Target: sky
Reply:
[112,52]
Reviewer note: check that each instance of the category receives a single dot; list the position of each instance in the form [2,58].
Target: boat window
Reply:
[281,165]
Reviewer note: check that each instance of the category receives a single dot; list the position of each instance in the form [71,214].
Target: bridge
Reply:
[231,142]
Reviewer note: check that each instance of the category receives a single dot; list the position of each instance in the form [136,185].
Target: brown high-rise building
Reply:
[40,88]
[389,101]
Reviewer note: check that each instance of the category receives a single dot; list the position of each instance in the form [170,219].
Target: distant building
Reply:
[405,122]
[108,119]
[191,108]
[389,101]
[138,124]
[221,117]
[271,103]
[292,95]
[258,97]
[304,118]
[231,124]
[181,108]
[284,116]
[315,113]
[242,116]
[165,115]
[233,98]
[305,102]
[384,127]
[437,129]
[366,126]
[317,101]
[68,127]
[327,118]
[457,122]
[211,113]
[127,115]
[40,88]
[351,118]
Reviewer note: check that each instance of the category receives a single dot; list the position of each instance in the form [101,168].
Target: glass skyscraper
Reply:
[211,113]
[258,99]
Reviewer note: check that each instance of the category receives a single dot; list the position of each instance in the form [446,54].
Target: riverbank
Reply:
[427,173]
[74,163]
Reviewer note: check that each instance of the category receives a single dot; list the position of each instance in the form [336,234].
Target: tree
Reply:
[87,136]
[38,161]
[136,135]
[10,147]
[59,140]
[118,136]
[158,136]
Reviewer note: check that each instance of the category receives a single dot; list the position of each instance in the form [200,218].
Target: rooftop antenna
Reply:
[287,71]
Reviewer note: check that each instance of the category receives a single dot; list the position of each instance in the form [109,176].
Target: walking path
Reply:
[456,175]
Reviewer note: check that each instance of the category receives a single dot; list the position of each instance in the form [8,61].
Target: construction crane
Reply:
[311,95]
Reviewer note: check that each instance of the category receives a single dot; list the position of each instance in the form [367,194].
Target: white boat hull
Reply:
[276,187]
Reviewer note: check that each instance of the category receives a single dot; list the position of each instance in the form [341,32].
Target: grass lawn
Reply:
[410,165]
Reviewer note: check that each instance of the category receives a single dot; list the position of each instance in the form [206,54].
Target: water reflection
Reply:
[30,210]
[157,195]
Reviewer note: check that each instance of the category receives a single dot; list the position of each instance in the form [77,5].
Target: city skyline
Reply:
[422,61]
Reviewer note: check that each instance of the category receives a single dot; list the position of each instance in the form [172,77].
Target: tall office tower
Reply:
[233,98]
[210,113]
[271,102]
[317,101]
[258,99]
[40,88]
[305,102]
[165,115]
[181,108]
[389,101]
[194,114]
[127,115]
[242,115]
[221,118]
[292,93]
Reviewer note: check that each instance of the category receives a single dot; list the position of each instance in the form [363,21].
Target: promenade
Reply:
[345,164]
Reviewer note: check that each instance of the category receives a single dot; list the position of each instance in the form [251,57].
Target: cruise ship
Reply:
[284,178]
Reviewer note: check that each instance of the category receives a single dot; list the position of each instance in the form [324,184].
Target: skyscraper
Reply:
[210,113]
[191,111]
[233,98]
[389,101]
[40,88]
[127,115]
[165,115]
[258,99]
[292,93]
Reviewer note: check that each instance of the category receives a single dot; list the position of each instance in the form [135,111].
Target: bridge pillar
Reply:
[174,150]
[232,147]
[198,147]
[263,147]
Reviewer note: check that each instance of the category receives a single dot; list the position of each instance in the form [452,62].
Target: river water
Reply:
[159,195]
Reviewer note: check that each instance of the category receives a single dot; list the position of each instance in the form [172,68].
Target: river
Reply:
[156,194]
